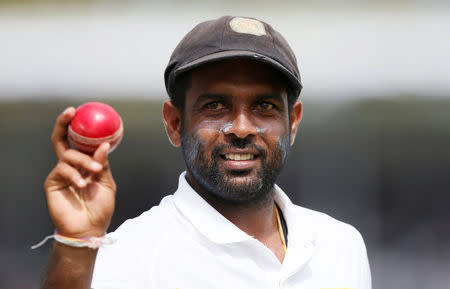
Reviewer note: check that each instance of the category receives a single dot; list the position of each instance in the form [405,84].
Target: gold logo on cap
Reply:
[248,26]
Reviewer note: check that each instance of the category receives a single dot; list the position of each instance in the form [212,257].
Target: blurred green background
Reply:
[372,148]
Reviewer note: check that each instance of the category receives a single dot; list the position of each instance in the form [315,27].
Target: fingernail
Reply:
[96,166]
[82,183]
[66,110]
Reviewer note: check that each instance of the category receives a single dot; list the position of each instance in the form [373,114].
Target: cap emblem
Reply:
[248,26]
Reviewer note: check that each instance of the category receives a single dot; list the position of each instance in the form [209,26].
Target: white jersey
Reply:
[185,243]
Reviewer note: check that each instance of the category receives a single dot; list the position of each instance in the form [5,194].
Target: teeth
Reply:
[239,157]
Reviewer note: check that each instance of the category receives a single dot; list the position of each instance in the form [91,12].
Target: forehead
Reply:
[239,72]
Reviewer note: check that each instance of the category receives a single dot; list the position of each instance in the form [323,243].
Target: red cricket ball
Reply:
[93,124]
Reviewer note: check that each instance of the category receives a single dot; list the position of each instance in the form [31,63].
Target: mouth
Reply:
[238,156]
[240,161]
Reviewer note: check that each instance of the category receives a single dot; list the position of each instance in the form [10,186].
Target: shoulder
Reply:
[337,241]
[148,223]
[135,244]
[315,225]
[339,249]
[147,231]
[328,229]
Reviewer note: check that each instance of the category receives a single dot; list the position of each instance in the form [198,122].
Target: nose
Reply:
[241,126]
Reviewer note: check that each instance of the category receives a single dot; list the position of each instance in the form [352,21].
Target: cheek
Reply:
[207,131]
[277,130]
[275,135]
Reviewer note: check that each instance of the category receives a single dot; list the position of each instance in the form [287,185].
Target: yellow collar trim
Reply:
[280,229]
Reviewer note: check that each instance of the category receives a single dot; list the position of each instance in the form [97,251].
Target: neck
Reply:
[257,219]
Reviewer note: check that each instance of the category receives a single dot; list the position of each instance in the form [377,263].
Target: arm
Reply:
[69,267]
[80,193]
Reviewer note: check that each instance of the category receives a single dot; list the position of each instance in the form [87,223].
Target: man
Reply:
[233,84]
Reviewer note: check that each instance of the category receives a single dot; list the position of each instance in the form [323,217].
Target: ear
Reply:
[172,122]
[296,117]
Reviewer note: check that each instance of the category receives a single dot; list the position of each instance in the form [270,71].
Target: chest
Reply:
[190,265]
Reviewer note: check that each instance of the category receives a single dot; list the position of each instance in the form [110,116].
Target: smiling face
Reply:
[236,130]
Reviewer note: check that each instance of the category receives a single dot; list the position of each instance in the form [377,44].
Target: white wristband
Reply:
[92,242]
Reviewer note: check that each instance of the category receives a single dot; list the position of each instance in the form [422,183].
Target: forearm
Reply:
[69,267]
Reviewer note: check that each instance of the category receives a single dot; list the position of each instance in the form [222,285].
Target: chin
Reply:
[241,187]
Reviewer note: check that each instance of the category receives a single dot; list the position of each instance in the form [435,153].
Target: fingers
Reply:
[59,135]
[76,168]
[81,161]
[105,176]
[68,174]
[101,154]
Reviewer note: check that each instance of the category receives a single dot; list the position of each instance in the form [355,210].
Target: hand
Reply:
[80,189]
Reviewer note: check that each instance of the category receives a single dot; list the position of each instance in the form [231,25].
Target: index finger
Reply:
[59,135]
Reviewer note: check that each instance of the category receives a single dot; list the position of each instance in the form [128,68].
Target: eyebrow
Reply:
[275,96]
[218,96]
[278,97]
[210,96]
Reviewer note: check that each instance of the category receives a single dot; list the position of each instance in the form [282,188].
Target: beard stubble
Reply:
[243,188]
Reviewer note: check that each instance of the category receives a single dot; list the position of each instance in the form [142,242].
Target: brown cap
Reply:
[233,37]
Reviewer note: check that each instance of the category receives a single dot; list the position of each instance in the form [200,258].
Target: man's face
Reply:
[235,132]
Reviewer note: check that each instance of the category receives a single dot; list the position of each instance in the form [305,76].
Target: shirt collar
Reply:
[301,237]
[300,231]
[220,230]
[204,217]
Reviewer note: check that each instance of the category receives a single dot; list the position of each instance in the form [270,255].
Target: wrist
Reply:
[86,242]
[81,235]
[89,242]
[82,252]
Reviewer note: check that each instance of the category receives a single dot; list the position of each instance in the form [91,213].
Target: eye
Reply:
[264,106]
[215,105]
